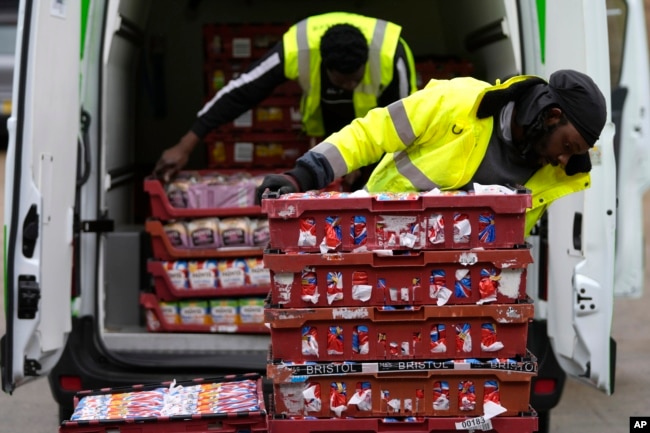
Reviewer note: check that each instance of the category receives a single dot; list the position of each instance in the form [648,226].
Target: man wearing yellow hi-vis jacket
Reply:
[345,64]
[454,133]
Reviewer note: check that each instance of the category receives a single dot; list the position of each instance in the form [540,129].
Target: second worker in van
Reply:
[346,64]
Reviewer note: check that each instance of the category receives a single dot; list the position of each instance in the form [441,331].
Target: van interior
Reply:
[153,82]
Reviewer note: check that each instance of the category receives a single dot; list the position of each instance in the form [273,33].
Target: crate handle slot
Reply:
[396,315]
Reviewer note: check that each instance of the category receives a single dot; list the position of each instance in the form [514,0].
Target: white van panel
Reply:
[41,162]
[633,156]
[581,277]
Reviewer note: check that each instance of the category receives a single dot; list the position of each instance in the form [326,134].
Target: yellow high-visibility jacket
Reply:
[434,138]
[302,61]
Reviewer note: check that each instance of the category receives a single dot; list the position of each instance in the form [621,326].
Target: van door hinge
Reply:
[31,367]
[29,293]
[97,226]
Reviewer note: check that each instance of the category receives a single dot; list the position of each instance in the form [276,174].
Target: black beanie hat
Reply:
[576,94]
[580,100]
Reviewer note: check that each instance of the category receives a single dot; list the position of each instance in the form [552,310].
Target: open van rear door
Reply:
[41,168]
[630,108]
[582,228]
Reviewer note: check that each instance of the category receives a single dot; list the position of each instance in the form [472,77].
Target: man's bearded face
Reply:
[537,139]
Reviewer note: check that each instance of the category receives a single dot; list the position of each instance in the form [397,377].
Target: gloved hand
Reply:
[280,183]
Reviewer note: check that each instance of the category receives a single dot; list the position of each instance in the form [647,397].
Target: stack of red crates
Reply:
[204,289]
[269,135]
[407,309]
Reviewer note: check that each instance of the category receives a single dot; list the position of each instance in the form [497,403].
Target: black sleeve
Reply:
[312,171]
[400,86]
[242,93]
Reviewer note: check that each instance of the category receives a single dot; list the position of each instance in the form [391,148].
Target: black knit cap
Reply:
[581,101]
[576,94]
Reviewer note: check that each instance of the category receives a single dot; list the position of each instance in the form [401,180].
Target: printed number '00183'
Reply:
[475,423]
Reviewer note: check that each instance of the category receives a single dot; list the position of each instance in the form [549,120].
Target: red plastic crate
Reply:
[276,113]
[161,207]
[203,420]
[522,424]
[399,333]
[279,114]
[288,372]
[280,111]
[414,393]
[370,279]
[164,250]
[241,40]
[257,150]
[447,69]
[344,222]
[218,74]
[157,323]
[166,291]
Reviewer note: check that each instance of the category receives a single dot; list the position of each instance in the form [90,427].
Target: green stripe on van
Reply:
[541,21]
[85,5]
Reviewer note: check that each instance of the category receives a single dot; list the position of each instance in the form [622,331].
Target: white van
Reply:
[86,129]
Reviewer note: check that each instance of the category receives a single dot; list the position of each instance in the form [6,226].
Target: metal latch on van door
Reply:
[31,367]
[29,293]
[98,226]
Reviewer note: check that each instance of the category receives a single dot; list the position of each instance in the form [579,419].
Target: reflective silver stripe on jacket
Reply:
[401,121]
[333,156]
[374,59]
[406,168]
[303,56]
[403,79]
[242,80]
[402,161]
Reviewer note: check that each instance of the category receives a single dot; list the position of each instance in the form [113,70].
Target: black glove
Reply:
[280,183]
